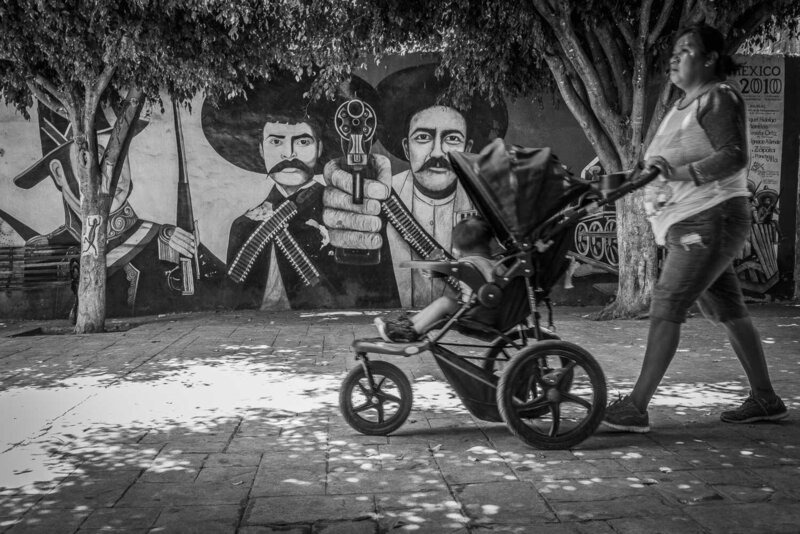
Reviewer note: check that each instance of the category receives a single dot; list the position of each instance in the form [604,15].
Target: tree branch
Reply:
[661,23]
[604,70]
[663,102]
[626,30]
[583,114]
[620,68]
[639,82]
[101,82]
[121,135]
[572,50]
[49,101]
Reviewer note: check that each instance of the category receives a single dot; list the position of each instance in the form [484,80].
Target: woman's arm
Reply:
[722,116]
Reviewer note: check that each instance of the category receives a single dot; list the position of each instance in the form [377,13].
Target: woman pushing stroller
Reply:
[698,209]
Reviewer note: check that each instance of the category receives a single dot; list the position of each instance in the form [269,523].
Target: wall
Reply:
[156,265]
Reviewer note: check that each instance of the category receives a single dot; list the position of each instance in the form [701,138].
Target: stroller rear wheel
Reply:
[552,395]
[376,405]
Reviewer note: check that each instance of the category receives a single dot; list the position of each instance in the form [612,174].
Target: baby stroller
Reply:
[550,393]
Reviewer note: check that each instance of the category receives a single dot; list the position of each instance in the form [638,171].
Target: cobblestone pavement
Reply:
[229,422]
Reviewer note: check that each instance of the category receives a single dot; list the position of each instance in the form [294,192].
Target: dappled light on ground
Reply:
[251,431]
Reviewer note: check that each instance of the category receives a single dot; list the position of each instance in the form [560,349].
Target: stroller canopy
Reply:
[514,188]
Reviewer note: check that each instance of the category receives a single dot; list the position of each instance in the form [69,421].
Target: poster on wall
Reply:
[761,80]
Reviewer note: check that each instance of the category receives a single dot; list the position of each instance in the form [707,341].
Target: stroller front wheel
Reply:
[552,395]
[379,405]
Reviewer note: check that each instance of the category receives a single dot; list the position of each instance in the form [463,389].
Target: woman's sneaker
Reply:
[623,416]
[756,409]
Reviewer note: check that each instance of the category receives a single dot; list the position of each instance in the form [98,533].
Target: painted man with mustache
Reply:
[417,132]
[429,189]
[290,147]
[431,192]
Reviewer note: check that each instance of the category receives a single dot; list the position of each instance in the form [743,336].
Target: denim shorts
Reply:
[699,265]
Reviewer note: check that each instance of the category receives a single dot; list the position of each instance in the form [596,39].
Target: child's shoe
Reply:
[381,326]
[400,330]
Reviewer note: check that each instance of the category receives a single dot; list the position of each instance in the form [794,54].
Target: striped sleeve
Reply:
[723,117]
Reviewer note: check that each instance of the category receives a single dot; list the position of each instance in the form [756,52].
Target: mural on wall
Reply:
[276,200]
[249,203]
[142,256]
[279,252]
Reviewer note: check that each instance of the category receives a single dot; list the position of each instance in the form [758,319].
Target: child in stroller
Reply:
[472,243]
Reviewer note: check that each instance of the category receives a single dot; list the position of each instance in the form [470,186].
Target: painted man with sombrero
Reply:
[413,127]
[273,129]
[140,254]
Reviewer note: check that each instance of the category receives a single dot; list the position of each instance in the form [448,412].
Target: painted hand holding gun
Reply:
[356,186]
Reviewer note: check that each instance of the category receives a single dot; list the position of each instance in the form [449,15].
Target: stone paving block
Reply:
[589,527]
[747,518]
[549,470]
[121,519]
[211,519]
[466,468]
[504,503]
[196,444]
[142,494]
[303,529]
[594,489]
[79,491]
[434,498]
[405,458]
[269,483]
[347,482]
[16,503]
[282,460]
[729,475]
[41,520]
[623,508]
[783,479]
[653,460]
[367,526]
[308,509]
[228,474]
[171,468]
[422,512]
[233,460]
[245,445]
[628,444]
[669,524]
[684,488]
[746,494]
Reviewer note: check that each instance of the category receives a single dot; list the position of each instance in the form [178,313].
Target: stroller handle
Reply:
[559,222]
[638,178]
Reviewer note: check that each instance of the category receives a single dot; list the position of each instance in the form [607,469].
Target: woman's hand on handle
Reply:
[665,170]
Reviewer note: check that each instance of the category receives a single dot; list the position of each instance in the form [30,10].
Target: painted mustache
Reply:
[441,163]
[291,164]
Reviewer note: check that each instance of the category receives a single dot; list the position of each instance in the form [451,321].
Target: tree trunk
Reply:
[638,265]
[94,216]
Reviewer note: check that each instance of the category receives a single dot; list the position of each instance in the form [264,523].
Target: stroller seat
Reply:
[499,304]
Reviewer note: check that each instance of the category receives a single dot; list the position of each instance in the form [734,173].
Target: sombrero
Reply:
[235,126]
[415,88]
[56,142]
